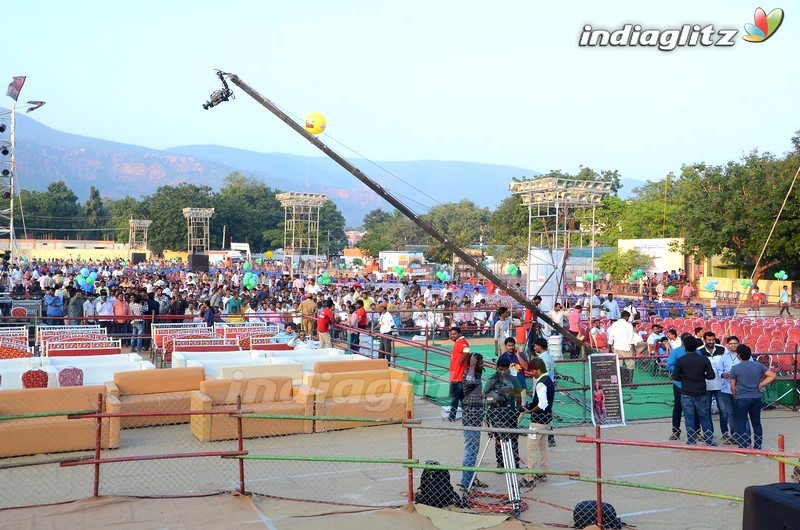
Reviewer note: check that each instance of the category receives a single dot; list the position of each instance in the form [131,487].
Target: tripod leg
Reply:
[478,464]
[511,478]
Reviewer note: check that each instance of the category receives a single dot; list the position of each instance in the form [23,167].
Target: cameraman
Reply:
[503,396]
[472,416]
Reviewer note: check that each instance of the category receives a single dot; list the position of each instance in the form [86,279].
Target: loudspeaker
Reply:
[138,257]
[772,507]
[198,262]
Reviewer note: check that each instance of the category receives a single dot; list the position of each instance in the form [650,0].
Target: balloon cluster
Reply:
[86,280]
[589,277]
[399,271]
[746,283]
[711,285]
[671,289]
[443,276]
[512,269]
[341,265]
[324,279]
[250,280]
[781,275]
[637,274]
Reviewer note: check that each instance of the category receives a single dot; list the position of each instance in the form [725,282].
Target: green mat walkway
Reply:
[641,402]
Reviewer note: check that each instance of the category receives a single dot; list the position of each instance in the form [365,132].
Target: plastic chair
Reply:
[35,378]
[70,376]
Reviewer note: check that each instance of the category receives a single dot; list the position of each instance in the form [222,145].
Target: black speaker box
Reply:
[198,262]
[138,257]
[772,507]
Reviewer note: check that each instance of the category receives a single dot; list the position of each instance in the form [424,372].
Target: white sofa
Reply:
[98,374]
[320,353]
[11,371]
[251,370]
[83,360]
[181,359]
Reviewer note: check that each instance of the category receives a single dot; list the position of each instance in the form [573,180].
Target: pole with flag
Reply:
[14,89]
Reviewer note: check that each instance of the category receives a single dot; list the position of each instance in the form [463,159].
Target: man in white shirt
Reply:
[611,307]
[596,304]
[385,327]
[621,339]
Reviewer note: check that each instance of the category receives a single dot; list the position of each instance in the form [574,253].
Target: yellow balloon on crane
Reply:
[315,123]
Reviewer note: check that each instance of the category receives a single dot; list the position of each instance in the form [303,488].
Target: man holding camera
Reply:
[472,416]
[541,411]
[503,393]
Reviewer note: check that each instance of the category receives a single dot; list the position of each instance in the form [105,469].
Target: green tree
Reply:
[121,211]
[165,209]
[462,223]
[622,264]
[332,239]
[729,210]
[376,218]
[248,210]
[53,213]
[508,225]
[94,215]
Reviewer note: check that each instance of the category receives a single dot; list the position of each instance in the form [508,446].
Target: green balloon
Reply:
[246,265]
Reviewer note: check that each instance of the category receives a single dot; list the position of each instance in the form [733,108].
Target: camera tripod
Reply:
[509,462]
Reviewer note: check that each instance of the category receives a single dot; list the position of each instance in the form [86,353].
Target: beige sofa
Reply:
[366,389]
[268,395]
[155,390]
[53,434]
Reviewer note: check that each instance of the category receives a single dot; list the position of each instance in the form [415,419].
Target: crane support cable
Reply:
[391,199]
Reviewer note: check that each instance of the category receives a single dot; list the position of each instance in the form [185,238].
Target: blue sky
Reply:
[495,82]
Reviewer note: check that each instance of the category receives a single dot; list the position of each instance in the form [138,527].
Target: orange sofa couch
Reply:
[53,434]
[155,390]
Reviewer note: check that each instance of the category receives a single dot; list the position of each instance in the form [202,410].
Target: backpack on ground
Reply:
[435,488]
[585,514]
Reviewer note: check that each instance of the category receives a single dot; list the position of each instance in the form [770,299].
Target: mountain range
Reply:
[45,155]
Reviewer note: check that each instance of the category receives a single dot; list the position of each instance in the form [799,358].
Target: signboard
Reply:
[606,387]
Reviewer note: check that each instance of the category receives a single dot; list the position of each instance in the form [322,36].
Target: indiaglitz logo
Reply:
[688,35]
[765,25]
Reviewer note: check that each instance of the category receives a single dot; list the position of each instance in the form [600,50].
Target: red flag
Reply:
[15,86]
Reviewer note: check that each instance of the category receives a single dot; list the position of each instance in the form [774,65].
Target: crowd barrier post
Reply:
[598,455]
[410,442]
[98,445]
[239,433]
[781,465]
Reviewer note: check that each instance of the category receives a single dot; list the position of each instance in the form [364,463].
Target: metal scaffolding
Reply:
[300,226]
[558,203]
[7,168]
[198,238]
[137,235]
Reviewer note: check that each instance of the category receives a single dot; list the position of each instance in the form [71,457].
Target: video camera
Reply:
[218,96]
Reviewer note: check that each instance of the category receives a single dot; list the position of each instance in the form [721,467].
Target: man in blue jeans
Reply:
[692,371]
[746,386]
[472,416]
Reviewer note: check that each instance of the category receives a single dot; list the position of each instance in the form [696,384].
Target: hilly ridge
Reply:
[45,155]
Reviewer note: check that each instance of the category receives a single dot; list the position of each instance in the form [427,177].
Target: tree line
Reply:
[725,210]
[246,210]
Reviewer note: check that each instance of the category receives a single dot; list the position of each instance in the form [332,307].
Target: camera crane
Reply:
[226,93]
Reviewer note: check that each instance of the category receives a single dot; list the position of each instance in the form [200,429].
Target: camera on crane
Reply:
[218,96]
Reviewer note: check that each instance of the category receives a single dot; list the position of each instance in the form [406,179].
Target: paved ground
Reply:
[386,485]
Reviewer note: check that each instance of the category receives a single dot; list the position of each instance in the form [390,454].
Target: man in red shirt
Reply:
[324,325]
[361,317]
[459,360]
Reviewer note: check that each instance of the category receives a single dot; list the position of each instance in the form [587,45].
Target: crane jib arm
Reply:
[391,199]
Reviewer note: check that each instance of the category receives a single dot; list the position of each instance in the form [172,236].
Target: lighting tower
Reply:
[198,240]
[137,235]
[300,225]
[556,201]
